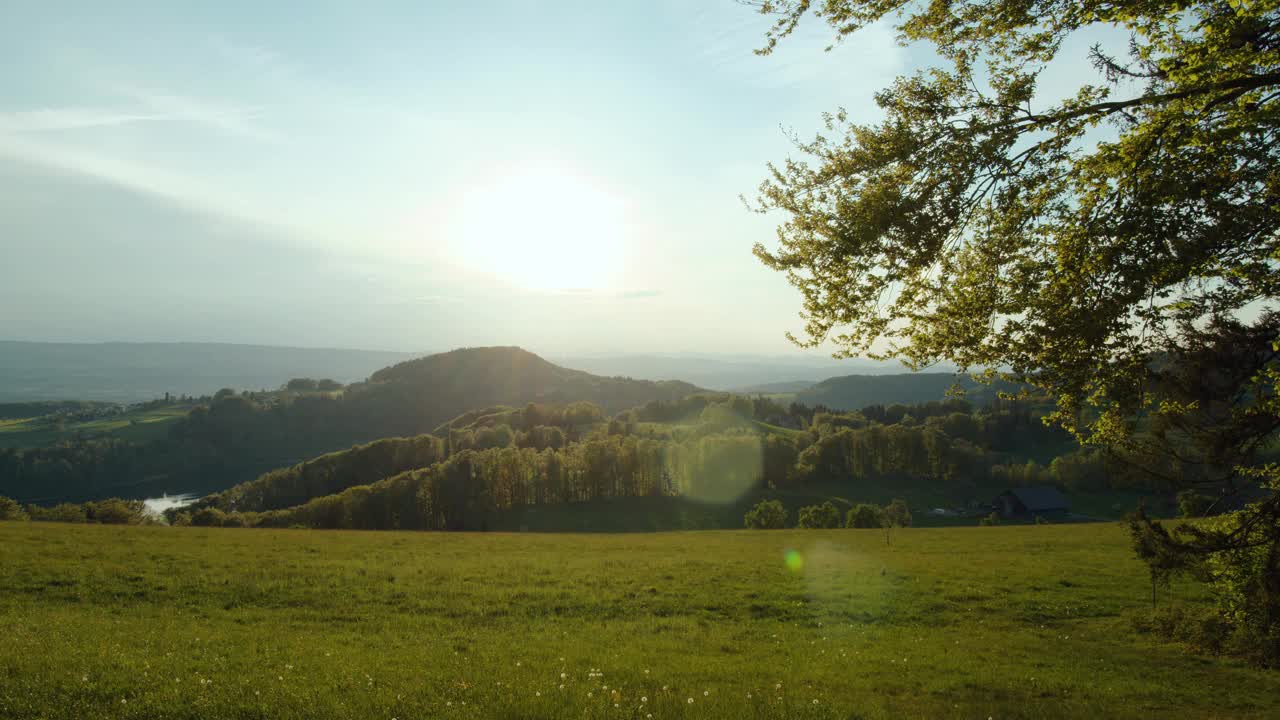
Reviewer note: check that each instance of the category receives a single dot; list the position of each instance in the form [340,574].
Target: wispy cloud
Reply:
[219,116]
[181,189]
[72,118]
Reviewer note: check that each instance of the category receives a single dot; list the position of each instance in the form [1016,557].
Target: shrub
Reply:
[766,515]
[208,517]
[863,515]
[65,512]
[116,512]
[11,510]
[819,517]
[896,513]
[1192,504]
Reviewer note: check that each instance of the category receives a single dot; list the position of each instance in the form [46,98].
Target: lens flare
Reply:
[794,561]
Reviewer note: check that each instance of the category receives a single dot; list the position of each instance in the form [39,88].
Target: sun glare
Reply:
[543,229]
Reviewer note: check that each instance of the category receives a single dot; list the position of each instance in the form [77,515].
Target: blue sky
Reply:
[563,176]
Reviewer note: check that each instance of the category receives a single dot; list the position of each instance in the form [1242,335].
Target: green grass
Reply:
[139,425]
[1005,622]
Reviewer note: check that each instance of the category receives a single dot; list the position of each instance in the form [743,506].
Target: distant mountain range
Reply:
[854,392]
[746,373]
[132,372]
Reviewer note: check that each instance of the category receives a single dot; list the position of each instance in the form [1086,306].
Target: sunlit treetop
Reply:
[1070,240]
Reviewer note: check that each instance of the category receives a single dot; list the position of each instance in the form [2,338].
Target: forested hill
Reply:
[512,376]
[853,392]
[236,436]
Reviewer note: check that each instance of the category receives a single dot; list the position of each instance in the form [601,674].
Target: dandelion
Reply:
[590,695]
[123,701]
[561,686]
[537,693]
[778,686]
[644,699]
[690,701]
[449,704]
[705,693]
[815,701]
[563,676]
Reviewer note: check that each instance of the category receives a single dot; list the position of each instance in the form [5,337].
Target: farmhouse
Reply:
[1022,502]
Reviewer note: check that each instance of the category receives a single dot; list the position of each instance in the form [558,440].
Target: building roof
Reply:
[1044,497]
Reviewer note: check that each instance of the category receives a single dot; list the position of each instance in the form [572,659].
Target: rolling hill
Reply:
[237,437]
[854,392]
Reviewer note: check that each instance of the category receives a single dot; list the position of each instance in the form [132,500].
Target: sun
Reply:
[540,228]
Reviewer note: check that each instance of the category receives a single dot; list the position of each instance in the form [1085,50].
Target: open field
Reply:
[137,425]
[157,622]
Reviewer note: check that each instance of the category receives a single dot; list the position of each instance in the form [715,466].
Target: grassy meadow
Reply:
[137,425]
[1003,622]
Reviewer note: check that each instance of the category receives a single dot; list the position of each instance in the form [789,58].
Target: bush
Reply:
[819,517]
[896,514]
[766,515]
[116,512]
[1192,504]
[11,510]
[863,515]
[208,517]
[65,512]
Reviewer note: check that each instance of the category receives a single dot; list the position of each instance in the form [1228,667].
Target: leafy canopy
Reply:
[980,224]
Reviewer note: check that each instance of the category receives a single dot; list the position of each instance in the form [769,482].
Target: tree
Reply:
[1193,504]
[864,515]
[766,515]
[11,510]
[1116,249]
[819,517]
[895,514]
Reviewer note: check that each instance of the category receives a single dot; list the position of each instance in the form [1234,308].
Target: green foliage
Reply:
[766,515]
[11,510]
[1193,504]
[1133,279]
[896,514]
[819,517]
[114,511]
[864,516]
[63,512]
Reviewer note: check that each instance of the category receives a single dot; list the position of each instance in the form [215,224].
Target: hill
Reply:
[723,372]
[233,438]
[479,377]
[854,392]
[134,372]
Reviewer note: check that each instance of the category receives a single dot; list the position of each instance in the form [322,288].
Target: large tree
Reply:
[1117,248]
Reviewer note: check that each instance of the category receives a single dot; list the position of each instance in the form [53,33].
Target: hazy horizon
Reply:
[563,178]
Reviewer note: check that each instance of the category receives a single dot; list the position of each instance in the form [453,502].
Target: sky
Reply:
[407,176]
